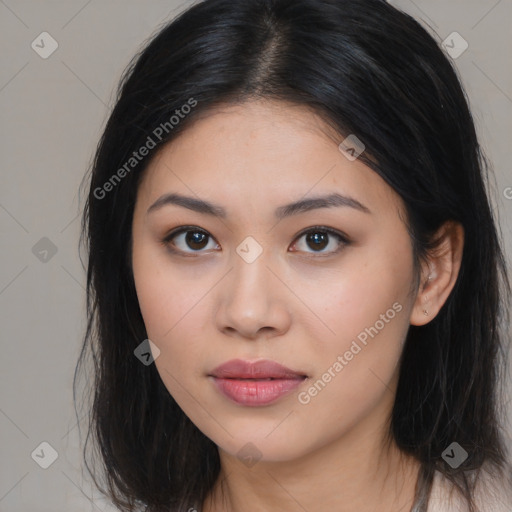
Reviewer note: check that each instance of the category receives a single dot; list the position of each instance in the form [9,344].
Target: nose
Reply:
[254,302]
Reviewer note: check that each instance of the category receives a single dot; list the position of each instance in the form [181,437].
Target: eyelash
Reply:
[342,238]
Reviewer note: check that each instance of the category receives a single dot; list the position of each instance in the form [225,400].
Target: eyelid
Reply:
[166,241]
[342,237]
[180,229]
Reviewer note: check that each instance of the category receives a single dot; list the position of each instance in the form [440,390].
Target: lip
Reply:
[255,383]
[262,369]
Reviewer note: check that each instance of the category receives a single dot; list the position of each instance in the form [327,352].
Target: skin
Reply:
[296,304]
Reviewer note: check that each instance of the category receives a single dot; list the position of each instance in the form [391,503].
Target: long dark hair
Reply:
[367,69]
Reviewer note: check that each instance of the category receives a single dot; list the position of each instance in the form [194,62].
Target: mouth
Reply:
[255,383]
[263,369]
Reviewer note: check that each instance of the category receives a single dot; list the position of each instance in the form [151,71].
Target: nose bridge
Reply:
[251,278]
[251,300]
[250,261]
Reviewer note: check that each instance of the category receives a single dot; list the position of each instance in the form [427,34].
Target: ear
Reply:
[439,273]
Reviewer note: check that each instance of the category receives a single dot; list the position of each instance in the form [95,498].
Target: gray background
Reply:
[53,111]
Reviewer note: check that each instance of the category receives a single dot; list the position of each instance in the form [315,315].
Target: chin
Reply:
[254,446]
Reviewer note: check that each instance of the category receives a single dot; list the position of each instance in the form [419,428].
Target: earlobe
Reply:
[439,273]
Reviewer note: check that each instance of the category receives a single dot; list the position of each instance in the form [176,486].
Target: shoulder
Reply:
[493,493]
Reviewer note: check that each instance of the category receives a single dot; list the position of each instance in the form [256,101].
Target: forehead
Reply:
[260,153]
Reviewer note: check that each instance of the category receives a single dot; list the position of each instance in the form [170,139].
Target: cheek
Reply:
[364,288]
[172,302]
[366,309]
[356,365]
[165,296]
[168,311]
[171,315]
[173,323]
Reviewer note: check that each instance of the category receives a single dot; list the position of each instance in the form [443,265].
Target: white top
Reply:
[490,495]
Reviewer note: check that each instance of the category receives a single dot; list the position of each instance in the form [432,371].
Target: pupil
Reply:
[313,237]
[194,237]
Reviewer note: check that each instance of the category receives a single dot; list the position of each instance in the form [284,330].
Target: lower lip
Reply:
[255,392]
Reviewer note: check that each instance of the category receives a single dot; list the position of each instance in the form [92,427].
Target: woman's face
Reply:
[243,281]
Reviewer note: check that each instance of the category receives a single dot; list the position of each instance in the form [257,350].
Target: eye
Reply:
[196,239]
[188,236]
[320,237]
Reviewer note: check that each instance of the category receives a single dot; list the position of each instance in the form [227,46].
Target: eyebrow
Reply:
[301,206]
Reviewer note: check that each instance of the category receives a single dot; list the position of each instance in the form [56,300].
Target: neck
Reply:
[360,472]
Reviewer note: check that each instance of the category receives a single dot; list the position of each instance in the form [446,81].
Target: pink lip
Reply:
[253,384]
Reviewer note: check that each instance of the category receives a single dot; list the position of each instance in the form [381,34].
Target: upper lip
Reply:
[262,369]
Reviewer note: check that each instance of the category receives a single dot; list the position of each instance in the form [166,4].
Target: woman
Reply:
[296,291]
